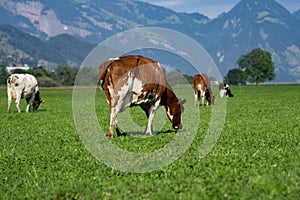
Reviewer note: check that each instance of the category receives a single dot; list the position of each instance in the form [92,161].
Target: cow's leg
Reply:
[222,93]
[152,112]
[8,100]
[196,98]
[119,106]
[207,97]
[202,97]
[113,121]
[29,100]
[18,102]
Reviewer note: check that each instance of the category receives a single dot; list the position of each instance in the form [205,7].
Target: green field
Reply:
[256,157]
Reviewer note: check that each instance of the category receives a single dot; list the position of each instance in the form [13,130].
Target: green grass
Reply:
[256,157]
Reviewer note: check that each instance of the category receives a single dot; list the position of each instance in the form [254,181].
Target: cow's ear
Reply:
[182,101]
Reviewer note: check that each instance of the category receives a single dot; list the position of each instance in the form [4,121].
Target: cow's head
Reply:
[210,96]
[37,101]
[174,113]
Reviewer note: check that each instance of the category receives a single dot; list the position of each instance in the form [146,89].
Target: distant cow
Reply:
[23,86]
[202,88]
[224,90]
[138,81]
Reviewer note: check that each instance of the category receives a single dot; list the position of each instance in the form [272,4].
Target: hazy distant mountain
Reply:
[21,48]
[93,20]
[297,14]
[250,24]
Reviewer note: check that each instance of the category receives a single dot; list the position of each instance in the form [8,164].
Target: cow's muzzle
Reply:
[177,127]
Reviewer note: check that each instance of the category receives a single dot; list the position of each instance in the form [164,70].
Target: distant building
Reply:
[24,67]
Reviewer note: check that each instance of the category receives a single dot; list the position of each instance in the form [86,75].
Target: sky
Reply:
[212,8]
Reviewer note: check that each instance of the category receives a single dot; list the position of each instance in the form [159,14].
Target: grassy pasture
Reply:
[256,157]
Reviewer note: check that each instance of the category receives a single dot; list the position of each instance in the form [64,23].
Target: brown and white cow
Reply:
[23,86]
[202,88]
[138,81]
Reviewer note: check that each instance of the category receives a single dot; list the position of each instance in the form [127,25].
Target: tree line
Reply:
[254,67]
[62,76]
[66,75]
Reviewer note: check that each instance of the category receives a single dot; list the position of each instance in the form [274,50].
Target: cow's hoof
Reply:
[149,134]
[109,135]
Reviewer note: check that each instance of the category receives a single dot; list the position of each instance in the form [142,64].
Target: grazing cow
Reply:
[224,90]
[23,86]
[202,88]
[138,81]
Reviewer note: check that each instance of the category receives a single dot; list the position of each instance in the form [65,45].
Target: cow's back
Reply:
[118,67]
[206,80]
[145,74]
[201,79]
[147,70]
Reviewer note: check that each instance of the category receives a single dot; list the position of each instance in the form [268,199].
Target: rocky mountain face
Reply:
[92,20]
[250,24]
[297,14]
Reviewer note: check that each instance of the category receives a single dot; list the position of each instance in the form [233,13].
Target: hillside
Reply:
[250,24]
[92,20]
[297,14]
[17,47]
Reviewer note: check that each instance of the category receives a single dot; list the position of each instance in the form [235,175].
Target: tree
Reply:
[175,77]
[257,66]
[235,77]
[66,75]
[3,75]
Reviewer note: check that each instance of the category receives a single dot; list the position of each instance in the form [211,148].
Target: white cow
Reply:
[224,90]
[23,86]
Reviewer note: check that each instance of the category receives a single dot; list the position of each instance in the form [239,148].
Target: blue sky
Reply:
[212,8]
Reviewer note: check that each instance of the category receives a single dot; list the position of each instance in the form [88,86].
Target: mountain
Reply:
[92,20]
[250,24]
[297,14]
[21,48]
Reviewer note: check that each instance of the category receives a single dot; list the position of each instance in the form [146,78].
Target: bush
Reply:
[47,82]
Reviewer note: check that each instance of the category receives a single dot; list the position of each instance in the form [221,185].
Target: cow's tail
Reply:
[103,71]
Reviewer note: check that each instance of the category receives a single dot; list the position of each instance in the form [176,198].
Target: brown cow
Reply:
[202,88]
[138,81]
